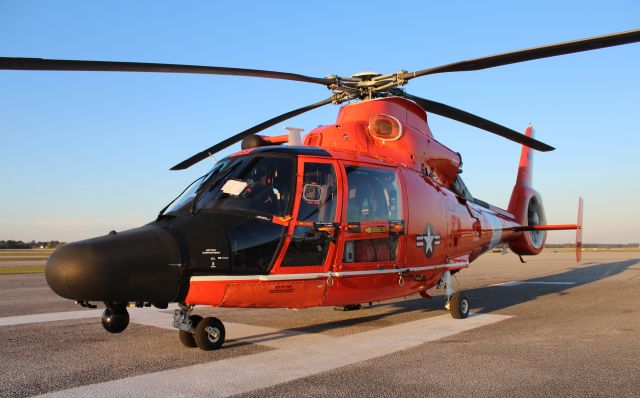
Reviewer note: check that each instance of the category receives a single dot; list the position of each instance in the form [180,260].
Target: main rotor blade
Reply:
[476,121]
[109,66]
[253,130]
[552,50]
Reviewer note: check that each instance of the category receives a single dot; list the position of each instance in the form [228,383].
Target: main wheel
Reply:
[209,334]
[186,338]
[459,305]
[115,320]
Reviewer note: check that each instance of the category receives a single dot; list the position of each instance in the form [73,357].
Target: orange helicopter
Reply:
[367,209]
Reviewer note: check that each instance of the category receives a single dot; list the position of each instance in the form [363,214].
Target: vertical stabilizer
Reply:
[523,181]
[526,162]
[526,206]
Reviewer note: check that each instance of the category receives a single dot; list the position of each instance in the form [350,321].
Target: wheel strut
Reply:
[194,331]
[456,302]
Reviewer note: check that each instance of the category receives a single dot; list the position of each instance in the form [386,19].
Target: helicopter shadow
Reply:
[501,296]
[484,299]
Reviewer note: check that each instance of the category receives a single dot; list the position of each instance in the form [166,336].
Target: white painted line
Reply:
[252,372]
[516,283]
[144,314]
[51,317]
[270,337]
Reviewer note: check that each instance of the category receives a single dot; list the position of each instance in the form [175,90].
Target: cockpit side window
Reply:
[309,246]
[318,201]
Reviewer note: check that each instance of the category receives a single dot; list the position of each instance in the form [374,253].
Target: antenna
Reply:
[295,138]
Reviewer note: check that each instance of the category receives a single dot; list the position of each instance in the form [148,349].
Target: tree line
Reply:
[595,245]
[18,244]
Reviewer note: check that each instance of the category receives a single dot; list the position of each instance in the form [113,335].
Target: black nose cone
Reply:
[140,264]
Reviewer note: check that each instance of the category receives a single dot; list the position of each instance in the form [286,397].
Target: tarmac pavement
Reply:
[545,328]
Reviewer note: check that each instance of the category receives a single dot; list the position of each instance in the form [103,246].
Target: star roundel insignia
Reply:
[429,240]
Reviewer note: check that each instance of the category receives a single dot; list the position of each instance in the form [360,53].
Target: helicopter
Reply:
[369,208]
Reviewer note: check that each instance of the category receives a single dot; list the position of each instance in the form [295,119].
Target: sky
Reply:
[82,153]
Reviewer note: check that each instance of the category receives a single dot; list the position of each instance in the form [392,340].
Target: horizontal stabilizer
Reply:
[560,227]
[557,227]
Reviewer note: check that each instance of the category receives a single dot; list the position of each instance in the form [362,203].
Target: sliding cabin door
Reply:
[373,218]
[372,235]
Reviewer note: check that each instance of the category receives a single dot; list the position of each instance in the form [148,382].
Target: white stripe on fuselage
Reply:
[496,229]
[331,274]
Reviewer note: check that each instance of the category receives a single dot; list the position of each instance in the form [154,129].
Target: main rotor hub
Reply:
[365,75]
[366,85]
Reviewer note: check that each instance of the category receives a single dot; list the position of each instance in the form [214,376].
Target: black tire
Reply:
[186,338]
[206,341]
[459,305]
[115,320]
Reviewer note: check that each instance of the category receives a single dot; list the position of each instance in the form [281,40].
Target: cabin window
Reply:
[374,194]
[374,205]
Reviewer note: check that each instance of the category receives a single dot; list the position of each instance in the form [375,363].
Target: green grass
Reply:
[14,255]
[14,259]
[21,270]
[27,250]
[596,250]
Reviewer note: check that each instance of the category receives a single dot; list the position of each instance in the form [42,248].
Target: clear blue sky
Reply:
[82,153]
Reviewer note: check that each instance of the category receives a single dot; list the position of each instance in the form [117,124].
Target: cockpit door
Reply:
[311,239]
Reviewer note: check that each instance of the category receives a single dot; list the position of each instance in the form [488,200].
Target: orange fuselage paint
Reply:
[439,229]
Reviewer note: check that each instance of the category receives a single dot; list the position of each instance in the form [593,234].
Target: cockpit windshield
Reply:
[184,201]
[261,185]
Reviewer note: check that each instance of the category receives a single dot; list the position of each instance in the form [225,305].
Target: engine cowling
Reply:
[529,212]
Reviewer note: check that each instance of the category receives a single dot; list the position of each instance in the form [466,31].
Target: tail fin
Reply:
[579,231]
[522,191]
[525,167]
[526,205]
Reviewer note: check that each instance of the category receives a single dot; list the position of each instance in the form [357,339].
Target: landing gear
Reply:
[115,318]
[459,305]
[186,337]
[209,334]
[457,302]
[194,331]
